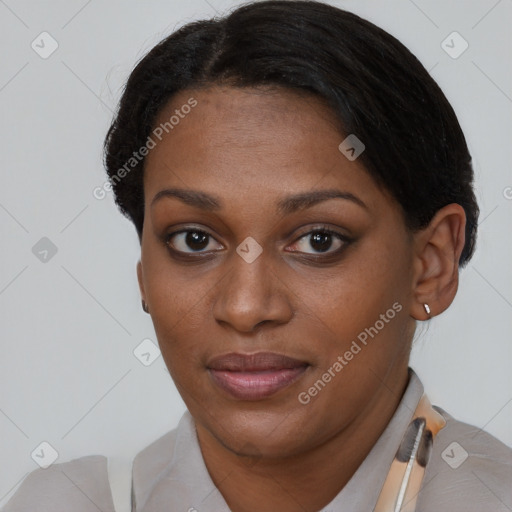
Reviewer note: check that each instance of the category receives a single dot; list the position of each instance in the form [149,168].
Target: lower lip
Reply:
[256,385]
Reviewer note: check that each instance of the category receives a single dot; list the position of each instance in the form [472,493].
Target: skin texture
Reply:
[251,148]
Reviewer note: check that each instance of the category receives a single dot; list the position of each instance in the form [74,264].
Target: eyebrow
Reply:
[285,206]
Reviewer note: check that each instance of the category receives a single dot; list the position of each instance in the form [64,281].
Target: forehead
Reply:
[255,104]
[262,143]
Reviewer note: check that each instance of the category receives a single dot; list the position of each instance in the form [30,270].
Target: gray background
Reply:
[69,325]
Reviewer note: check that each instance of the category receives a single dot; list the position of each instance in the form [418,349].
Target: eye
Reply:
[321,240]
[194,239]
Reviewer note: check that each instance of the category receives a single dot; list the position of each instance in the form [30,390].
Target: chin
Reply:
[259,433]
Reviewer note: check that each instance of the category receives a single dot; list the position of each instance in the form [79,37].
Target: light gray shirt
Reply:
[469,471]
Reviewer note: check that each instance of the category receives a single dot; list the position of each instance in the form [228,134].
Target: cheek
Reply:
[177,309]
[174,293]
[355,294]
[361,306]
[182,351]
[179,323]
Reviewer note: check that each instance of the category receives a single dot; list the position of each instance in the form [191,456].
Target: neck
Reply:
[308,481]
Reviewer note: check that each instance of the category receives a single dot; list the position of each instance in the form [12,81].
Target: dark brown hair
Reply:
[375,86]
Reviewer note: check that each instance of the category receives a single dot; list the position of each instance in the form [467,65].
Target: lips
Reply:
[255,376]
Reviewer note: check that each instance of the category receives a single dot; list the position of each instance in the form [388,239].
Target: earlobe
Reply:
[437,255]
[140,279]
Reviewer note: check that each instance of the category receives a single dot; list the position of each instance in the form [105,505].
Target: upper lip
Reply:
[237,362]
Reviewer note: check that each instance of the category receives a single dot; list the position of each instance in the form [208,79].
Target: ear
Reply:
[140,278]
[437,250]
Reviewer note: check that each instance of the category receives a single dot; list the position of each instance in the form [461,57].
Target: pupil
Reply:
[321,241]
[196,240]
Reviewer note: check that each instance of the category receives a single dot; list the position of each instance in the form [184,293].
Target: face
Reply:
[276,271]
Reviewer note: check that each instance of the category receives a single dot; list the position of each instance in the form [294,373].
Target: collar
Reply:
[171,472]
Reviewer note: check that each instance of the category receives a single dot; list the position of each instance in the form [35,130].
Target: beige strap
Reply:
[403,483]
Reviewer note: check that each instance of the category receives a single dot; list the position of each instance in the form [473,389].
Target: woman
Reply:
[302,192]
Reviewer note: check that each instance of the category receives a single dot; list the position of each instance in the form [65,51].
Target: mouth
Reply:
[255,376]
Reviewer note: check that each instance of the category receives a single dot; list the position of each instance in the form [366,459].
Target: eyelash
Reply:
[319,256]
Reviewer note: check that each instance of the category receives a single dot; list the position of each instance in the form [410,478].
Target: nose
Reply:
[252,294]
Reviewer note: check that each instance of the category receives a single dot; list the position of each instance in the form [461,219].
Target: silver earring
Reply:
[427,309]
[145,306]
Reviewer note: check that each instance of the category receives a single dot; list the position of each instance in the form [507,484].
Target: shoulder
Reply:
[156,456]
[81,485]
[150,465]
[469,471]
